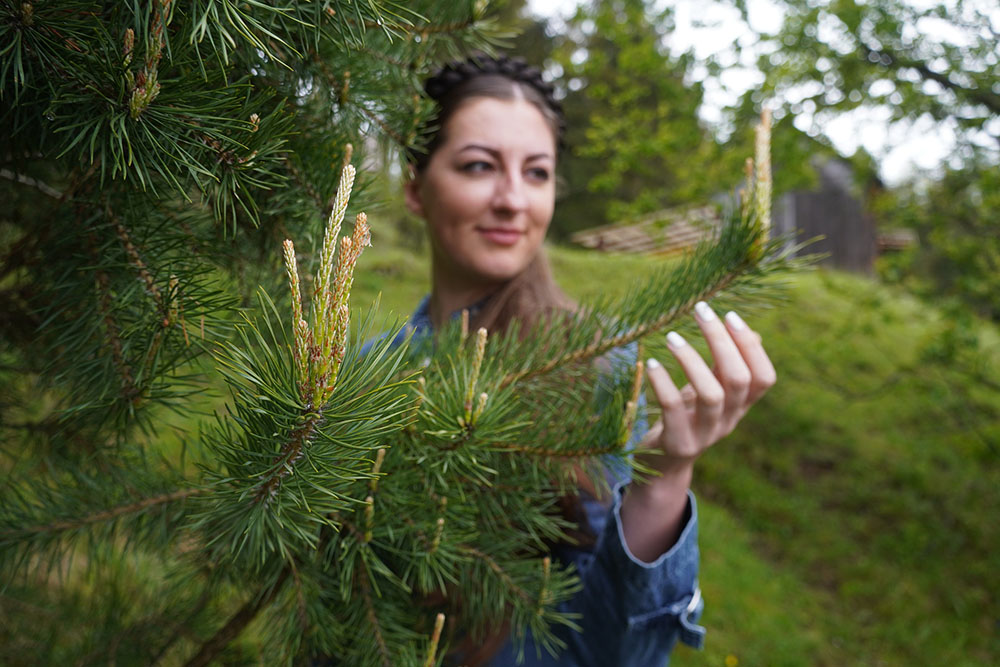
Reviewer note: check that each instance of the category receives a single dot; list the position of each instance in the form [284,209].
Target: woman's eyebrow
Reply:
[496,153]
[479,147]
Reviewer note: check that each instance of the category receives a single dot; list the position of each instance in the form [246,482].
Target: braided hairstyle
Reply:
[499,77]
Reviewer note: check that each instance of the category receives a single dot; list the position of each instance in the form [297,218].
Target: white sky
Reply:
[900,150]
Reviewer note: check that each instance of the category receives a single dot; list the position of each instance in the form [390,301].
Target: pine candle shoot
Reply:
[319,351]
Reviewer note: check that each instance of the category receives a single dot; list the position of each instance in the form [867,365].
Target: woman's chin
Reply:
[498,272]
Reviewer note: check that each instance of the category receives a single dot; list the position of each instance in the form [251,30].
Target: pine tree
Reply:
[371,504]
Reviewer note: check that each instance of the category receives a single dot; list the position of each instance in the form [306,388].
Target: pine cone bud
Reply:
[763,185]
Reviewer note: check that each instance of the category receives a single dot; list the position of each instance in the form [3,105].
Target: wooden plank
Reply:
[667,231]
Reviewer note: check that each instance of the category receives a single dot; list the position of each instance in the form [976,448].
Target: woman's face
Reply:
[487,192]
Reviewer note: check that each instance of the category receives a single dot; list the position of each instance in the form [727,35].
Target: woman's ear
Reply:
[411,193]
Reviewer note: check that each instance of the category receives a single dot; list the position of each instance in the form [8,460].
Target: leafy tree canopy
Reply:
[911,60]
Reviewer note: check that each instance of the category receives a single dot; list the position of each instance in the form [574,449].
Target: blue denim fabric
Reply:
[631,612]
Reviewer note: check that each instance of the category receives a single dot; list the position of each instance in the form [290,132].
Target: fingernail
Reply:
[704,311]
[674,340]
[652,363]
[735,321]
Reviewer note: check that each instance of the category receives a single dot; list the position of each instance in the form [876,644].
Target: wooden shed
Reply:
[833,212]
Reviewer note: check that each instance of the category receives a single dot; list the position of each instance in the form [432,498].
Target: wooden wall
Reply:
[833,212]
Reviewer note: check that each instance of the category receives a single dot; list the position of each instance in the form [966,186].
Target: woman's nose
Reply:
[510,195]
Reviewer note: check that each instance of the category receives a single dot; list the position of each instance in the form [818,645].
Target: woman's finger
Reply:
[762,373]
[730,367]
[711,395]
[690,397]
[675,417]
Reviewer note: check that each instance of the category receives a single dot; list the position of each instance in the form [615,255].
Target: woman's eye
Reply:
[538,174]
[476,166]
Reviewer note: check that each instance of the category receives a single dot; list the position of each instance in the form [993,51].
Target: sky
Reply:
[901,151]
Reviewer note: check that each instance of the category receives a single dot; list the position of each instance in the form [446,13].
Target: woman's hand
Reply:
[693,419]
[709,407]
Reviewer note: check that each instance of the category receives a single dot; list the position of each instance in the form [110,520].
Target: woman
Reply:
[485,185]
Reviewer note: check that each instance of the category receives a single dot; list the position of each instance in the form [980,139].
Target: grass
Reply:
[869,474]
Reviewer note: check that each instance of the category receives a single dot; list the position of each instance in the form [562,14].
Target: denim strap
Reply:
[691,633]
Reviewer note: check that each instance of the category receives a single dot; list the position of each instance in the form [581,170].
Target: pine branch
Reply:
[583,452]
[291,452]
[41,186]
[499,571]
[607,344]
[130,392]
[304,183]
[378,55]
[113,513]
[319,352]
[391,133]
[741,250]
[425,29]
[135,259]
[146,85]
[343,86]
[435,638]
[237,623]
[366,593]
[79,180]
[453,26]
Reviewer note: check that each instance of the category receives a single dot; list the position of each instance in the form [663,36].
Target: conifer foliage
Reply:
[371,504]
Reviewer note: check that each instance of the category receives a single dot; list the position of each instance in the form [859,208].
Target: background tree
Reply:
[529,37]
[957,221]
[635,143]
[915,61]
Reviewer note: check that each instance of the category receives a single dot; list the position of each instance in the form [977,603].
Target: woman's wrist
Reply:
[665,487]
[653,510]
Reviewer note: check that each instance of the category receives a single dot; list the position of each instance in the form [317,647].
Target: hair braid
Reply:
[456,73]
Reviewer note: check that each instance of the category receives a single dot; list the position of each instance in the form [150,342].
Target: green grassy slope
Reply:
[852,518]
[870,475]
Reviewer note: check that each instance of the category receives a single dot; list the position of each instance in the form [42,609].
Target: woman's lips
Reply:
[501,235]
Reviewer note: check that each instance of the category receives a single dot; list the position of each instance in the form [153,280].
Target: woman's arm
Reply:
[693,419]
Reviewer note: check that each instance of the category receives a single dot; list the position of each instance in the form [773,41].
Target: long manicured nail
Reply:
[675,340]
[735,321]
[652,363]
[704,311]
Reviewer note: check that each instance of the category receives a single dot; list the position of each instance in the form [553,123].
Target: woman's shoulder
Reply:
[618,360]
[417,324]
